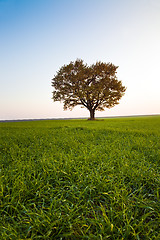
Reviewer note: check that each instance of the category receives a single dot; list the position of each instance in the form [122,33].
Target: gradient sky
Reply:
[37,37]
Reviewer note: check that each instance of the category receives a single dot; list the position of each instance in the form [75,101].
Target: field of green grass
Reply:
[79,179]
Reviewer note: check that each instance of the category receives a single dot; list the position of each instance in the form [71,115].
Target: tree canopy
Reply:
[95,87]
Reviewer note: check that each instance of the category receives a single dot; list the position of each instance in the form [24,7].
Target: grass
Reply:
[78,179]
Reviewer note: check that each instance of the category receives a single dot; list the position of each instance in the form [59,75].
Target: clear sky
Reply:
[37,37]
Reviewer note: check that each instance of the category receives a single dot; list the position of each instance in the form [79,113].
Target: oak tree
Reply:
[95,87]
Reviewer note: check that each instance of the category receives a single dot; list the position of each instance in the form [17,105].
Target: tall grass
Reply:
[79,179]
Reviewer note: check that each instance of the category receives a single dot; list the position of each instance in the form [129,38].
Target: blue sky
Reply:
[37,37]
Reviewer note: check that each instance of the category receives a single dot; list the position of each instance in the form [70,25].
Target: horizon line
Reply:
[78,118]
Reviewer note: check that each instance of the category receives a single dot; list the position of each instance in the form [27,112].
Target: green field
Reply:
[79,179]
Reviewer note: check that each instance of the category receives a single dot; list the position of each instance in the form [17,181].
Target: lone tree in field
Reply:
[95,87]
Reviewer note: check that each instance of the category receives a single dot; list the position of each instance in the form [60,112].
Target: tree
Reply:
[95,87]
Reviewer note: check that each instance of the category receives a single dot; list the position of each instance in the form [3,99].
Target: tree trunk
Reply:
[92,114]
